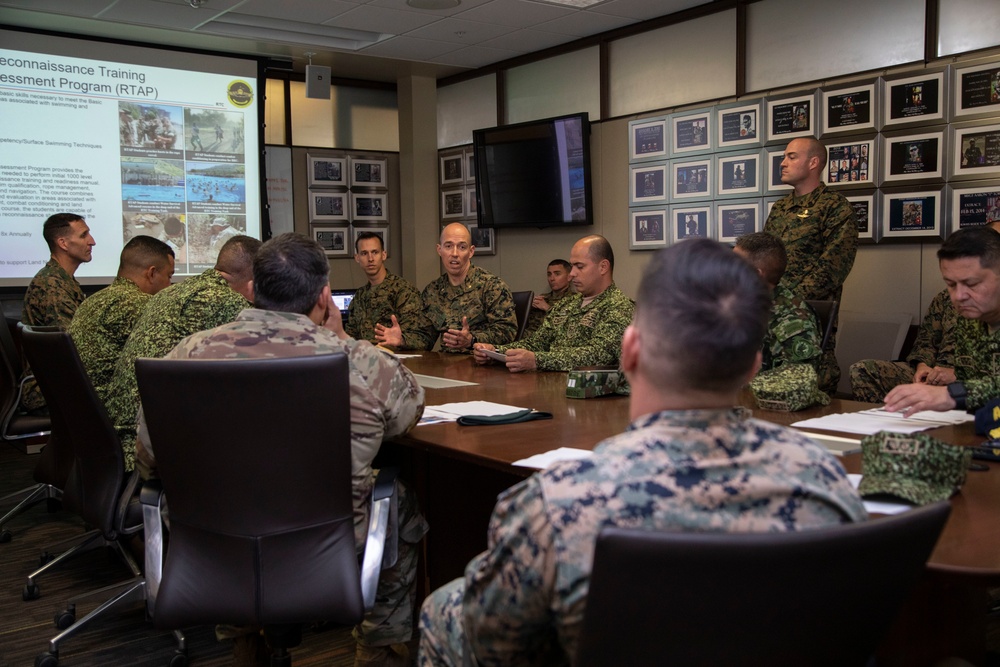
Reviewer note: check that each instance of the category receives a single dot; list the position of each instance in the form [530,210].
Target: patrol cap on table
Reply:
[914,467]
[788,388]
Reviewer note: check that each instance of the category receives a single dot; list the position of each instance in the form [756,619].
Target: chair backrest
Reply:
[522,305]
[815,597]
[254,456]
[868,336]
[79,419]
[15,425]
[826,314]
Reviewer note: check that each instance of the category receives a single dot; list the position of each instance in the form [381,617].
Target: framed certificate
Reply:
[369,206]
[333,240]
[977,91]
[738,126]
[913,157]
[773,184]
[975,152]
[326,206]
[368,172]
[647,229]
[974,206]
[691,132]
[791,117]
[850,109]
[915,100]
[453,204]
[471,207]
[851,163]
[470,165]
[691,179]
[452,168]
[484,238]
[690,221]
[734,219]
[865,209]
[324,171]
[647,139]
[738,174]
[648,184]
[912,215]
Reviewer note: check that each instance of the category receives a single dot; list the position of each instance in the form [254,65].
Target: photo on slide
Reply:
[169,228]
[152,180]
[149,128]
[213,131]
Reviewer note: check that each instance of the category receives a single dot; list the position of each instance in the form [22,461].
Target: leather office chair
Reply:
[826,314]
[815,597]
[522,306]
[254,458]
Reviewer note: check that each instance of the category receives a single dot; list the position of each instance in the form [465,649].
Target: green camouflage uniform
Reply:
[483,298]
[50,301]
[575,335]
[977,361]
[373,305]
[872,379]
[386,402]
[522,600]
[793,335]
[101,326]
[200,302]
[820,233]
[536,315]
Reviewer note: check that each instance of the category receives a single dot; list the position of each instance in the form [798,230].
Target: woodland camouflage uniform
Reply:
[482,297]
[373,304]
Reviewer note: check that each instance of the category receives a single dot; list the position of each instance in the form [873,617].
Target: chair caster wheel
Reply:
[5,536]
[46,660]
[31,592]
[178,659]
[64,619]
[45,558]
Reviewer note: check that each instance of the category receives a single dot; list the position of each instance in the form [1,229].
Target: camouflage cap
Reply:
[914,467]
[591,383]
[788,388]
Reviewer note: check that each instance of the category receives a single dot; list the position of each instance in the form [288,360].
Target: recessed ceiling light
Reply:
[433,4]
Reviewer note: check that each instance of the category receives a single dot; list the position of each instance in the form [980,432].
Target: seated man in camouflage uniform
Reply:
[386,402]
[931,361]
[793,335]
[688,461]
[388,310]
[557,275]
[583,329]
[104,321]
[970,264]
[466,304]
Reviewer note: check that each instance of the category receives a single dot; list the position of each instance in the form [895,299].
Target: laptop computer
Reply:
[342,297]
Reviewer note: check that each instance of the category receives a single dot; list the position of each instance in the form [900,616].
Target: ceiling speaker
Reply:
[318,82]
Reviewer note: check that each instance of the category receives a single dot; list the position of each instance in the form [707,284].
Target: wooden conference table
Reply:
[459,470]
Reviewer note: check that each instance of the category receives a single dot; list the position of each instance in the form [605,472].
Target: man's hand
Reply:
[540,303]
[391,336]
[458,339]
[333,321]
[519,360]
[939,375]
[477,354]
[911,398]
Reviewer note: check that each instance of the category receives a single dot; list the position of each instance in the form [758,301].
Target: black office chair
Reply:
[826,315]
[815,597]
[254,458]
[522,306]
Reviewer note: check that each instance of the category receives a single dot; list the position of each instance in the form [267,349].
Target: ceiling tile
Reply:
[307,11]
[641,10]
[67,7]
[527,41]
[440,13]
[516,13]
[583,24]
[460,32]
[409,48]
[165,14]
[474,56]
[381,19]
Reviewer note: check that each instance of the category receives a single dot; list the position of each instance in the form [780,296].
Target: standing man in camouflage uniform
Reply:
[688,461]
[970,264]
[388,310]
[222,231]
[931,361]
[793,335]
[557,274]
[386,402]
[583,329]
[201,302]
[466,305]
[53,295]
[105,319]
[820,233]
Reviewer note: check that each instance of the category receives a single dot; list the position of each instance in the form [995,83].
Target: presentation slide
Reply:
[136,140]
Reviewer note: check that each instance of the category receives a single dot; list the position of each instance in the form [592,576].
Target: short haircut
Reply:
[601,249]
[982,242]
[701,315]
[289,272]
[816,148]
[143,252]
[767,253]
[561,262]
[58,226]
[368,235]
[236,257]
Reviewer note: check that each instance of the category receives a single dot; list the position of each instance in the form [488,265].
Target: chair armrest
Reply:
[126,507]
[381,545]
[151,498]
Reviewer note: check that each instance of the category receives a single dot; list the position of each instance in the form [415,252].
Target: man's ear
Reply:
[630,349]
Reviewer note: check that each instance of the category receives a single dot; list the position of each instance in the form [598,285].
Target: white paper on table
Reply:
[878,506]
[867,424]
[449,412]
[945,418]
[544,460]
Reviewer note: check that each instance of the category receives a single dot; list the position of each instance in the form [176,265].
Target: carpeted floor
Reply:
[121,639]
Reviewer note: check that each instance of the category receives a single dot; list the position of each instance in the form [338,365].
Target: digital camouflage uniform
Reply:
[198,303]
[101,326]
[536,315]
[575,335]
[522,601]
[373,304]
[820,233]
[793,335]
[482,297]
[872,379]
[50,301]
[386,402]
[977,361]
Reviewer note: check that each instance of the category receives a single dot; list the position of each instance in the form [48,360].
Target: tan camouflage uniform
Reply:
[793,335]
[872,379]
[575,335]
[101,326]
[536,315]
[522,601]
[483,298]
[386,402]
[977,361]
[50,301]
[373,304]
[820,233]
[198,303]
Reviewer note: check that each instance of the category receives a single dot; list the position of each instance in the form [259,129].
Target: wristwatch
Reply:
[958,393]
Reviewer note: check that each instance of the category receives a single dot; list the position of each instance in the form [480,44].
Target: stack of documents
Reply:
[869,422]
[449,412]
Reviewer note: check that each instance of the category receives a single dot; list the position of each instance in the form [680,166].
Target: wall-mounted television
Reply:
[534,174]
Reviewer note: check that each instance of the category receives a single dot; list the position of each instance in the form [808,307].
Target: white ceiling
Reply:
[395,39]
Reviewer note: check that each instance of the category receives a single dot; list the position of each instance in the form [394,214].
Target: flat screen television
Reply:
[534,174]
